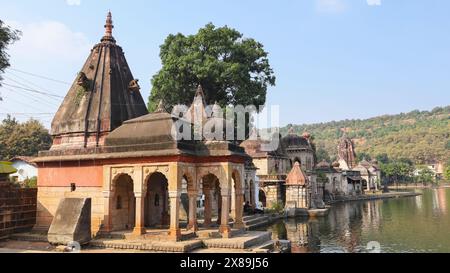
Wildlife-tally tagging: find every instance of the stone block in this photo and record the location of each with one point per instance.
(72, 222)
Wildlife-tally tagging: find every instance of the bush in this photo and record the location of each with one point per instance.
(31, 182)
(277, 207)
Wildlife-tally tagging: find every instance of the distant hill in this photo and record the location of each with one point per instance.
(418, 135)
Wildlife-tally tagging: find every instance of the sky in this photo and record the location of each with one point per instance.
(333, 59)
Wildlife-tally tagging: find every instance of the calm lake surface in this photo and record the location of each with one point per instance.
(416, 224)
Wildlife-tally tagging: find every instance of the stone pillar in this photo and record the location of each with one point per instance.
(108, 208)
(239, 210)
(209, 197)
(192, 223)
(224, 222)
(233, 200)
(174, 230)
(139, 227)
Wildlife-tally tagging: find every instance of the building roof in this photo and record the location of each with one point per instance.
(297, 176)
(323, 165)
(259, 148)
(146, 136)
(294, 141)
(103, 96)
(26, 159)
(6, 168)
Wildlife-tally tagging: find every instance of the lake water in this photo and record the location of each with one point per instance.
(416, 224)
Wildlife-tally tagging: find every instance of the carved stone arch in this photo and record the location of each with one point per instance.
(116, 173)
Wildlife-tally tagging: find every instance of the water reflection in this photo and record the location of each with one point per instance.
(417, 224)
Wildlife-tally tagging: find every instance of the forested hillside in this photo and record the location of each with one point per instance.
(418, 135)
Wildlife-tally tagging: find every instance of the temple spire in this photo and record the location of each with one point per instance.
(108, 28)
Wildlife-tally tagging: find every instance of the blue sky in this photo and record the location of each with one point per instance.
(334, 59)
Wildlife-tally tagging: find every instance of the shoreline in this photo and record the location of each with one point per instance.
(389, 195)
(418, 187)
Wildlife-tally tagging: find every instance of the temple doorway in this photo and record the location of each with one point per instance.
(262, 198)
(157, 201)
(123, 210)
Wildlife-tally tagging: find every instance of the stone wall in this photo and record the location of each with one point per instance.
(17, 209)
(49, 198)
(273, 195)
(296, 197)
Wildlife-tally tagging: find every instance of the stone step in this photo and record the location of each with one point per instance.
(148, 246)
(154, 236)
(257, 225)
(266, 247)
(251, 217)
(30, 237)
(256, 220)
(245, 241)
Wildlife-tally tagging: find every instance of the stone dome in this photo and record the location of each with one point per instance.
(323, 165)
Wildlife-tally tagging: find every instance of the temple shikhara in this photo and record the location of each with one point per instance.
(141, 177)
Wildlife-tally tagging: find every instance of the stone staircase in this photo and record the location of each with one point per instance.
(253, 222)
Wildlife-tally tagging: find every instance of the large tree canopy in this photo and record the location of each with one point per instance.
(7, 36)
(231, 69)
(22, 139)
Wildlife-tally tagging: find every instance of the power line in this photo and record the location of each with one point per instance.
(38, 99)
(27, 114)
(39, 76)
(33, 85)
(34, 91)
(22, 102)
(22, 85)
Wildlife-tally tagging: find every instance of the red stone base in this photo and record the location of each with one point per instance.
(225, 230)
(175, 235)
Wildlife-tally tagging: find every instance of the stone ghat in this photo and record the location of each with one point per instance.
(250, 240)
(373, 197)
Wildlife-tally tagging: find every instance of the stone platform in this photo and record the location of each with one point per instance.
(313, 213)
(242, 240)
(147, 245)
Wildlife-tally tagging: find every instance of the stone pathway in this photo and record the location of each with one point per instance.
(250, 241)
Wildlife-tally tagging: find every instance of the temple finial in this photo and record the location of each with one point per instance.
(109, 24)
(108, 28)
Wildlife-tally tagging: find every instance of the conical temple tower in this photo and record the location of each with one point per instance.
(102, 97)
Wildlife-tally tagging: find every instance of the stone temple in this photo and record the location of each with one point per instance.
(107, 147)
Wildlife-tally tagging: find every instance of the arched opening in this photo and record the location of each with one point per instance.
(156, 201)
(262, 198)
(123, 213)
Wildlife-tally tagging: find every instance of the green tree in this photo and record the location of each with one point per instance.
(425, 176)
(30, 182)
(231, 69)
(382, 158)
(22, 139)
(362, 156)
(7, 37)
(398, 171)
(322, 154)
(447, 171)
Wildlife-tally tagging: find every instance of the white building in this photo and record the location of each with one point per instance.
(25, 168)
